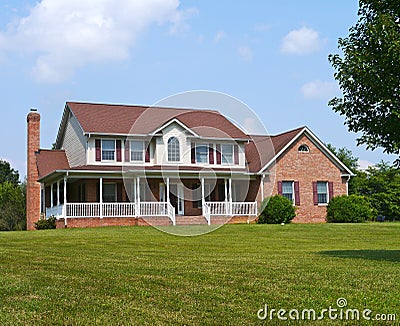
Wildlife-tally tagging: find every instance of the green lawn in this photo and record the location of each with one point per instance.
(139, 275)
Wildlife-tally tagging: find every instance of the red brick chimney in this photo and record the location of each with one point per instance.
(32, 186)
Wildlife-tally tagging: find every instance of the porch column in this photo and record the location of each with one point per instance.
(230, 196)
(138, 195)
(43, 185)
(51, 195)
(226, 189)
(202, 193)
(101, 197)
(65, 199)
(168, 201)
(262, 187)
(58, 193)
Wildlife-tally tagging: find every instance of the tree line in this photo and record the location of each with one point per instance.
(12, 199)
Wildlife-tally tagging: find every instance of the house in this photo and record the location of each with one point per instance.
(137, 165)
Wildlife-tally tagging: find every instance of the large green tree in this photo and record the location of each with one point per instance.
(369, 73)
(7, 173)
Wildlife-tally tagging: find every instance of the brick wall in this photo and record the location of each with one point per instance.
(32, 186)
(306, 168)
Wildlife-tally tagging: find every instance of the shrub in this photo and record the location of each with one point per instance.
(276, 209)
(349, 209)
(43, 224)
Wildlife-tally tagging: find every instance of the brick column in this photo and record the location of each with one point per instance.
(32, 186)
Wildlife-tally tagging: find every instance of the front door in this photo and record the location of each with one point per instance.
(176, 197)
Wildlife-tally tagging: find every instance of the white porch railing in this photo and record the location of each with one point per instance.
(79, 210)
(206, 213)
(83, 210)
(231, 208)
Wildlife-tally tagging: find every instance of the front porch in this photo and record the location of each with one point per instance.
(154, 200)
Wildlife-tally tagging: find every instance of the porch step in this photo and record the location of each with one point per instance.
(190, 220)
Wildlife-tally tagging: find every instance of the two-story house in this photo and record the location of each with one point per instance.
(133, 165)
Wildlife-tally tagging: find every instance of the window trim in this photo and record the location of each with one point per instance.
(293, 200)
(131, 151)
(115, 150)
(168, 150)
(223, 160)
(305, 146)
(206, 146)
(327, 193)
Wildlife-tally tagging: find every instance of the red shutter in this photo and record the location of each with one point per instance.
(218, 148)
(280, 188)
(236, 154)
(296, 193)
(210, 154)
(315, 192)
(330, 189)
(98, 150)
(118, 147)
(193, 153)
(127, 151)
(147, 154)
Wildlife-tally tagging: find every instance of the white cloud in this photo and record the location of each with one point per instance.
(302, 41)
(219, 36)
(67, 34)
(364, 164)
(245, 53)
(319, 89)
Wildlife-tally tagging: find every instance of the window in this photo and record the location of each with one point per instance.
(82, 192)
(322, 192)
(303, 149)
(287, 190)
(227, 154)
(202, 154)
(137, 151)
(109, 193)
(173, 150)
(108, 150)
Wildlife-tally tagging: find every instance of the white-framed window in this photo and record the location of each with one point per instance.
(109, 192)
(201, 154)
(322, 192)
(173, 150)
(303, 148)
(108, 150)
(288, 190)
(137, 150)
(227, 153)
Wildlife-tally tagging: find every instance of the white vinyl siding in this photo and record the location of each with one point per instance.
(74, 143)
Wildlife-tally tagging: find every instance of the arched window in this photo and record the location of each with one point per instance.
(303, 148)
(173, 150)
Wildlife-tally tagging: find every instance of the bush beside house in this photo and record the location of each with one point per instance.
(276, 209)
(349, 209)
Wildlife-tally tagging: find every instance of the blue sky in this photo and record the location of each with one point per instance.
(272, 55)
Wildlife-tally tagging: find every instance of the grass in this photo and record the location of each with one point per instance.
(141, 276)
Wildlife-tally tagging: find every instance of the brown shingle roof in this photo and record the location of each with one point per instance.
(48, 161)
(127, 119)
(263, 148)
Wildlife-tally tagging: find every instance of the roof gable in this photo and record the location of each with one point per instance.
(265, 150)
